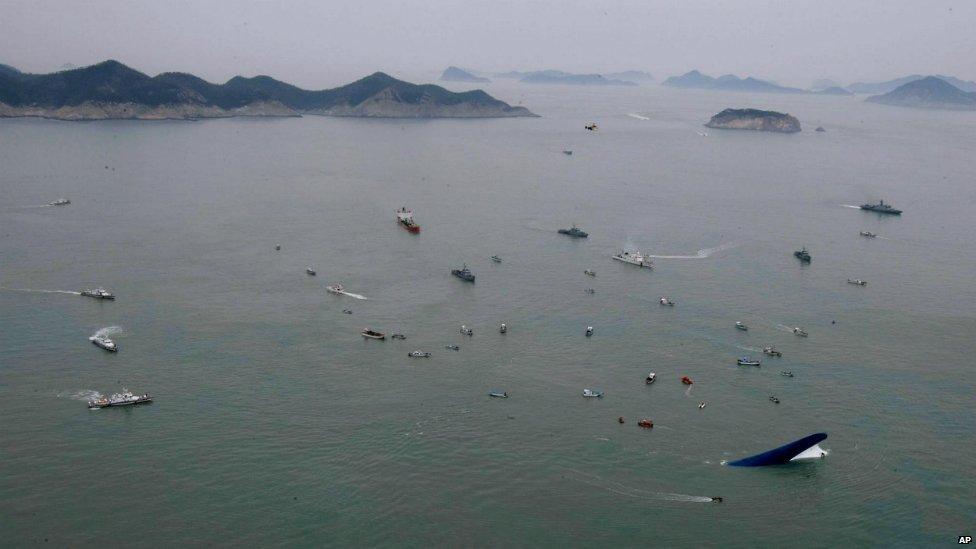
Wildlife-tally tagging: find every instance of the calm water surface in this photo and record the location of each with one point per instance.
(276, 423)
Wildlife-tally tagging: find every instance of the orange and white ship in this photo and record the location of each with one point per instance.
(405, 218)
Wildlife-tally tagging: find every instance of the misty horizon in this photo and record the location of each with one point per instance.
(316, 46)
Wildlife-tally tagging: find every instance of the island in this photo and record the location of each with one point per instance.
(928, 93)
(455, 74)
(754, 119)
(880, 88)
(728, 82)
(550, 76)
(111, 90)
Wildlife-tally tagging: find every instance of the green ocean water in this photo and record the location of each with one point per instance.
(275, 423)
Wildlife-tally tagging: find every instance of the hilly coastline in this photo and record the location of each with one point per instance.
(111, 90)
(728, 82)
(928, 93)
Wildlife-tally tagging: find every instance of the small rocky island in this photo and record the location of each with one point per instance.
(454, 74)
(754, 119)
(111, 90)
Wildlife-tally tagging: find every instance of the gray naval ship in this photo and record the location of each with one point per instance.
(464, 273)
(881, 207)
(574, 231)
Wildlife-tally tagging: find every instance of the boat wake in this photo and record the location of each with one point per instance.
(784, 327)
(84, 395)
(40, 291)
(851, 206)
(688, 392)
(637, 116)
(618, 488)
(109, 331)
(352, 295)
(702, 254)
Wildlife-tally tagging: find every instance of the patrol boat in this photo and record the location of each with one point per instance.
(881, 207)
(125, 398)
(104, 343)
(803, 255)
(574, 231)
(634, 258)
(464, 273)
(60, 202)
(98, 293)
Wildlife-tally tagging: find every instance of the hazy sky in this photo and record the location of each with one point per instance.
(319, 43)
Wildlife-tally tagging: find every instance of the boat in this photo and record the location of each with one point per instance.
(310, 271)
(881, 207)
(786, 373)
(60, 202)
(503, 328)
(869, 234)
(277, 247)
(667, 301)
(590, 291)
(701, 405)
(336, 288)
(634, 258)
(398, 336)
(686, 380)
(452, 347)
(498, 394)
(405, 219)
(466, 331)
(418, 354)
(98, 293)
(799, 331)
(125, 398)
(589, 331)
(651, 378)
(496, 259)
(774, 400)
(746, 361)
(803, 255)
(769, 351)
(645, 423)
(589, 272)
(372, 334)
(592, 126)
(857, 281)
(574, 231)
(346, 312)
(464, 273)
(591, 393)
(568, 152)
(741, 326)
(104, 343)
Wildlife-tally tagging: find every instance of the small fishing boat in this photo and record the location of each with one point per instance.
(588, 272)
(645, 423)
(803, 255)
(589, 331)
(568, 152)
(746, 361)
(868, 234)
(701, 405)
(496, 259)
(346, 312)
(310, 271)
(336, 288)
(686, 380)
(741, 326)
(466, 331)
(277, 247)
(667, 301)
(799, 331)
(574, 231)
(60, 202)
(786, 373)
(498, 394)
(592, 126)
(418, 354)
(651, 378)
(769, 351)
(503, 328)
(372, 334)
(774, 400)
(398, 336)
(857, 282)
(452, 347)
(590, 291)
(592, 393)
(104, 343)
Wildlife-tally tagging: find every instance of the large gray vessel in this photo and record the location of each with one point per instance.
(881, 207)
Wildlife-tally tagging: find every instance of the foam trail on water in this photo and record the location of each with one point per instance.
(40, 291)
(356, 296)
(637, 116)
(784, 327)
(617, 488)
(701, 254)
(109, 330)
(84, 395)
(851, 206)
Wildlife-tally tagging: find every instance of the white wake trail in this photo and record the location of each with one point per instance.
(84, 395)
(637, 116)
(108, 331)
(356, 296)
(701, 254)
(617, 488)
(32, 290)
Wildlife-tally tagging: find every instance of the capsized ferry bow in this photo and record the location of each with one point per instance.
(806, 448)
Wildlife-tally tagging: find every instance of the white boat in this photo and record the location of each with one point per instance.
(98, 293)
(589, 331)
(770, 351)
(667, 301)
(857, 282)
(746, 361)
(634, 258)
(741, 326)
(104, 343)
(503, 328)
(591, 393)
(651, 378)
(799, 331)
(60, 202)
(588, 272)
(418, 354)
(310, 271)
(336, 288)
(869, 234)
(466, 331)
(372, 334)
